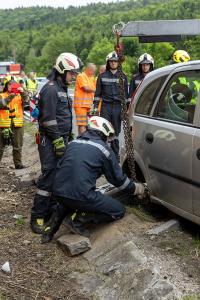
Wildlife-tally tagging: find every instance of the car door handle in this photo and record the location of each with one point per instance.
(198, 154)
(149, 138)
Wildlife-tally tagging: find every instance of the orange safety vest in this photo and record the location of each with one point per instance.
(82, 98)
(13, 112)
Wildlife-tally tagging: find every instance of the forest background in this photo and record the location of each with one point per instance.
(35, 36)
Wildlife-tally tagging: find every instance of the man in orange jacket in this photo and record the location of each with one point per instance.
(11, 121)
(83, 96)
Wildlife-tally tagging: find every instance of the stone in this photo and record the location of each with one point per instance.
(21, 172)
(6, 267)
(17, 216)
(120, 259)
(169, 225)
(26, 180)
(74, 244)
(26, 242)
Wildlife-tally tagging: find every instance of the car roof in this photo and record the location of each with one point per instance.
(162, 72)
(168, 69)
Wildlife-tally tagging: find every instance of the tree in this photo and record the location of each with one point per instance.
(99, 51)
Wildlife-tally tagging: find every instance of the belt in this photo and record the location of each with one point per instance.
(112, 103)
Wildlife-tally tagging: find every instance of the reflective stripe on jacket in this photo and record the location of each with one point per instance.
(14, 112)
(82, 98)
(55, 106)
(86, 159)
(107, 87)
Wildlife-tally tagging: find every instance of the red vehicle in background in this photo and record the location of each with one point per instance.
(9, 68)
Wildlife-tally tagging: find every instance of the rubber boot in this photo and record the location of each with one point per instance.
(51, 228)
(37, 225)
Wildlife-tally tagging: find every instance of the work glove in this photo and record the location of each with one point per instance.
(10, 98)
(35, 113)
(93, 112)
(141, 190)
(7, 133)
(71, 137)
(5, 101)
(59, 147)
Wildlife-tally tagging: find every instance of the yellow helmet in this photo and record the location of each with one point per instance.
(180, 56)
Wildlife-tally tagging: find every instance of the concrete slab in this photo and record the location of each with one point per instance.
(169, 225)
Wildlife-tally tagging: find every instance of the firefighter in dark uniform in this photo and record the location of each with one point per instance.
(107, 89)
(55, 126)
(75, 190)
(145, 65)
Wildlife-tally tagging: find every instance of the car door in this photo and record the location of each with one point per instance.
(167, 142)
(196, 167)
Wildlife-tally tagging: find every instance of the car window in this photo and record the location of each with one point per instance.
(179, 99)
(147, 98)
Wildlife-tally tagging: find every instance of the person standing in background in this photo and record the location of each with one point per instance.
(83, 96)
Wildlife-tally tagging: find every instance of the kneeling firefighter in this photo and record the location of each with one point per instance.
(77, 192)
(55, 127)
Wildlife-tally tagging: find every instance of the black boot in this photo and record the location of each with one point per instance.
(51, 227)
(37, 224)
(76, 227)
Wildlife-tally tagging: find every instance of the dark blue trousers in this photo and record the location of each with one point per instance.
(104, 208)
(43, 201)
(111, 111)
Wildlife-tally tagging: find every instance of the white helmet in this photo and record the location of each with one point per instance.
(146, 59)
(68, 62)
(112, 56)
(102, 125)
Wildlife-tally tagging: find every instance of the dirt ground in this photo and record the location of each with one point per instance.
(45, 271)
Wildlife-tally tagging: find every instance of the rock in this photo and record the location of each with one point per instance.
(138, 283)
(159, 290)
(74, 244)
(26, 242)
(27, 180)
(21, 172)
(17, 216)
(120, 259)
(169, 225)
(6, 267)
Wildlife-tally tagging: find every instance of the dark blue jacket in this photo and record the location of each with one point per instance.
(86, 159)
(107, 88)
(135, 81)
(55, 118)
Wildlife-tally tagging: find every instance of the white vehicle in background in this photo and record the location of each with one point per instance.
(41, 82)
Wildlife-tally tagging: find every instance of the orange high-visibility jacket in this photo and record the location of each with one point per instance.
(12, 113)
(82, 98)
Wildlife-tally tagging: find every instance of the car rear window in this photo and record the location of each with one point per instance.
(147, 98)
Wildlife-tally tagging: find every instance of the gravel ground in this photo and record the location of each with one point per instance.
(45, 272)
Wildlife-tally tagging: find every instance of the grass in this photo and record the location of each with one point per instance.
(197, 297)
(196, 246)
(30, 128)
(140, 213)
(20, 221)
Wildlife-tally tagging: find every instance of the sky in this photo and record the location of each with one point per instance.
(53, 3)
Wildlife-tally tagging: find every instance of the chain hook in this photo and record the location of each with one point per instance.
(117, 28)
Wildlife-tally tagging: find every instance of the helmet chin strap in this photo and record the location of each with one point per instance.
(63, 78)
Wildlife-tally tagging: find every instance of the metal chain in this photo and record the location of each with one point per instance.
(126, 126)
(128, 133)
